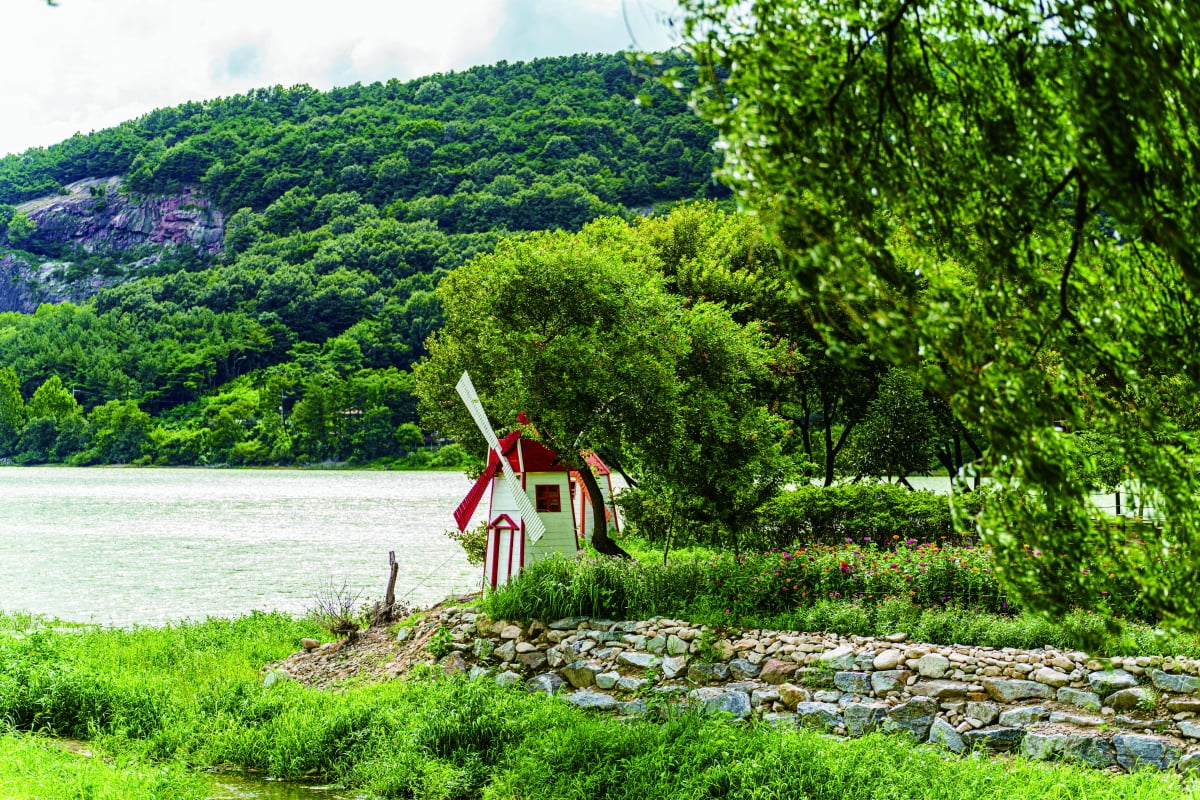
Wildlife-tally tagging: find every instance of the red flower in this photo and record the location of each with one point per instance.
(844, 567)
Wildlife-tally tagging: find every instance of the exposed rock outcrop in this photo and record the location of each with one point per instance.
(96, 216)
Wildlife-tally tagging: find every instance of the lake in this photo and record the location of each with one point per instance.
(127, 546)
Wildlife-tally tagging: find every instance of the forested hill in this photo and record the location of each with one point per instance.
(338, 212)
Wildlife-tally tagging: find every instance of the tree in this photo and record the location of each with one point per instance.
(12, 410)
(1005, 198)
(53, 401)
(579, 332)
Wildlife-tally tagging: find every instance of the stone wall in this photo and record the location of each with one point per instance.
(1125, 712)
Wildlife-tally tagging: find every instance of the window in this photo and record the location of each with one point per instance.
(547, 497)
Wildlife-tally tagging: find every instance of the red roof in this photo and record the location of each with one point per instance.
(538, 457)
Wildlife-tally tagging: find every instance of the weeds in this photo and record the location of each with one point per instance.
(337, 610)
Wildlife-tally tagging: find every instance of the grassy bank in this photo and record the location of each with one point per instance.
(37, 768)
(192, 695)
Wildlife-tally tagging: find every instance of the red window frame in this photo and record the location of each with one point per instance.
(549, 497)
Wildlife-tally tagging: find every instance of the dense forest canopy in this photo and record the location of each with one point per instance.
(343, 210)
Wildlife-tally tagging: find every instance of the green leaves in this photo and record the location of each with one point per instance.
(1006, 199)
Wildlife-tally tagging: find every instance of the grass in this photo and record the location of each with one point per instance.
(705, 589)
(158, 699)
(32, 767)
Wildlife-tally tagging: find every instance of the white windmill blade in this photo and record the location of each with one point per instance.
(534, 526)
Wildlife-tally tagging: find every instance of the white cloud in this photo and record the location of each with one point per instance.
(90, 64)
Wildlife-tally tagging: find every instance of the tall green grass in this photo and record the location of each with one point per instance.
(193, 695)
(33, 767)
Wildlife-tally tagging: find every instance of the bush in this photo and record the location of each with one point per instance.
(879, 514)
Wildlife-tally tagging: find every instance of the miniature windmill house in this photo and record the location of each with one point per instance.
(532, 507)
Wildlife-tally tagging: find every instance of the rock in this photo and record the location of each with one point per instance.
(1180, 684)
(312, 644)
(1179, 705)
(715, 700)
(626, 684)
(792, 695)
(742, 670)
(1142, 724)
(586, 698)
(890, 681)
(1051, 677)
(506, 652)
(838, 658)
(1082, 720)
(1105, 682)
(1135, 750)
(896, 638)
(1190, 730)
(1189, 763)
(632, 658)
(853, 682)
(510, 632)
(1026, 715)
(942, 691)
(581, 674)
(984, 712)
(277, 675)
(775, 671)
(455, 664)
(482, 649)
(1091, 750)
(478, 672)
(673, 666)
(827, 695)
(995, 739)
(818, 715)
(403, 634)
(508, 678)
(701, 674)
(933, 665)
(943, 733)
(1077, 697)
(1010, 691)
(763, 697)
(676, 646)
(656, 645)
(888, 659)
(634, 708)
(1130, 699)
(547, 683)
(607, 680)
(534, 660)
(916, 717)
(862, 718)
(568, 623)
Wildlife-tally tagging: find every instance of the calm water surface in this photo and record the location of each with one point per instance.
(123, 546)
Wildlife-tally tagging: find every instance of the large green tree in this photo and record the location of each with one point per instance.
(1003, 196)
(580, 332)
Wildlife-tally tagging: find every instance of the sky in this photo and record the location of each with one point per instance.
(85, 65)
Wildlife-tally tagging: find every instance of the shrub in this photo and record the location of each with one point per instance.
(879, 514)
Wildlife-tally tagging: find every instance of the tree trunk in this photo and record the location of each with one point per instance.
(600, 539)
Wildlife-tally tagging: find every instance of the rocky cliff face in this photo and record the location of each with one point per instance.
(95, 216)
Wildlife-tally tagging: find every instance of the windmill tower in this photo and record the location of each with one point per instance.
(530, 514)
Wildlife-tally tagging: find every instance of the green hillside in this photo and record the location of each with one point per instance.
(342, 211)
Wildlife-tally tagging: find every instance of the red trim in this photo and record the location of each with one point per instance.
(522, 563)
(495, 534)
(598, 466)
(511, 542)
(462, 514)
(503, 522)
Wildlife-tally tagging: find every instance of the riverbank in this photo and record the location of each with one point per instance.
(1126, 712)
(212, 694)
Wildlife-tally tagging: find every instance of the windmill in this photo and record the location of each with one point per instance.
(530, 515)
